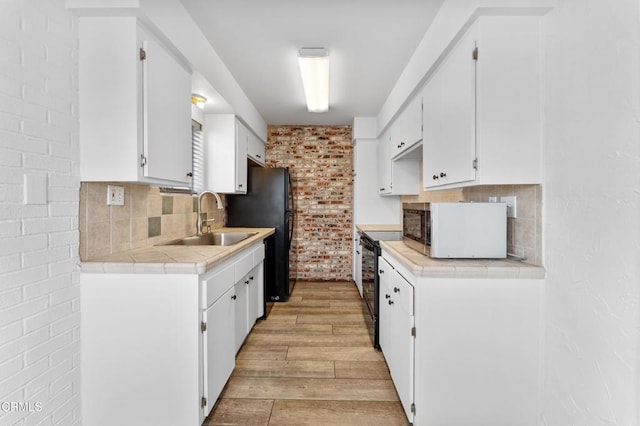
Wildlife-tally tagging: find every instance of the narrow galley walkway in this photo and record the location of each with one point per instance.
(311, 362)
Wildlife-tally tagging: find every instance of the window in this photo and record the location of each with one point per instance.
(197, 164)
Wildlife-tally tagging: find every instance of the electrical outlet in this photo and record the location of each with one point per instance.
(512, 210)
(115, 195)
(493, 199)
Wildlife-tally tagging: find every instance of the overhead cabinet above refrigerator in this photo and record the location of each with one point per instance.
(228, 143)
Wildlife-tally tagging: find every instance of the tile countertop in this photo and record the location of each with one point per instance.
(370, 228)
(424, 266)
(172, 259)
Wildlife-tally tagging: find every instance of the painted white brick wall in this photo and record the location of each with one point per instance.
(39, 278)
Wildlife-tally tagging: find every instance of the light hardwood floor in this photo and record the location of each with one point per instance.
(311, 362)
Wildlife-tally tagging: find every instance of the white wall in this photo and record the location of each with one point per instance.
(369, 207)
(39, 293)
(591, 199)
(592, 213)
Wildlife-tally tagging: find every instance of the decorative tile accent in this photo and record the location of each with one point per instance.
(167, 205)
(155, 226)
(106, 230)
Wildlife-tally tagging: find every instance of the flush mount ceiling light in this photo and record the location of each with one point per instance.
(314, 69)
(198, 100)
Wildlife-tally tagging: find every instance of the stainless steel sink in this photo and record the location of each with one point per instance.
(213, 239)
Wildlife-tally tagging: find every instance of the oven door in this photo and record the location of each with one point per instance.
(370, 284)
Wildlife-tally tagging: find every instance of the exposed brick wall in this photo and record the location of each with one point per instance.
(39, 275)
(321, 165)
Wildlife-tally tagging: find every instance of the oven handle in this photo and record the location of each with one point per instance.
(367, 244)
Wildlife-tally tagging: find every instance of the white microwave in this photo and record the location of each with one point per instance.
(461, 230)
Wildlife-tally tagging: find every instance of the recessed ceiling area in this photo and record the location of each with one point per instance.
(369, 41)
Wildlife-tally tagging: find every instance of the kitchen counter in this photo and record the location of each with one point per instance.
(424, 266)
(173, 259)
(373, 228)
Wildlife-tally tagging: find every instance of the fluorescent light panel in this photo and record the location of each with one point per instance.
(314, 69)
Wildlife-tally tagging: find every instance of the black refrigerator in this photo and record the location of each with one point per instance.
(268, 203)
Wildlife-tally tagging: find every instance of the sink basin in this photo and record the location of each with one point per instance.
(213, 239)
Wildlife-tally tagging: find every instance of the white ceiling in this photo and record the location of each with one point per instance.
(370, 42)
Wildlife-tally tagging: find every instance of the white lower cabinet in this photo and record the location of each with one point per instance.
(241, 299)
(396, 334)
(164, 340)
(357, 262)
(241, 278)
(476, 354)
(219, 344)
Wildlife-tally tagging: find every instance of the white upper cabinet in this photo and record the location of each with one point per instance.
(255, 149)
(449, 118)
(406, 130)
(396, 177)
(482, 119)
(384, 164)
(225, 153)
(134, 105)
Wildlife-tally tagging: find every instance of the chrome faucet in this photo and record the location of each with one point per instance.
(199, 219)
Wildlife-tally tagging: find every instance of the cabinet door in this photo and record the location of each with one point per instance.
(219, 344)
(449, 118)
(407, 129)
(385, 271)
(255, 149)
(166, 103)
(242, 135)
(401, 345)
(358, 266)
(241, 290)
(254, 310)
(384, 165)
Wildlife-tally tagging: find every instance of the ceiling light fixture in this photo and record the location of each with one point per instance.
(314, 69)
(198, 100)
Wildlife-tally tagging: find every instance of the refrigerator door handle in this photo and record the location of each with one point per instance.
(290, 217)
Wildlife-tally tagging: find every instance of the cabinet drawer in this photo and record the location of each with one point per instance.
(402, 292)
(243, 266)
(217, 285)
(258, 254)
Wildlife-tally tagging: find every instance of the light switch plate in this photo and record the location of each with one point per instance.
(115, 195)
(512, 206)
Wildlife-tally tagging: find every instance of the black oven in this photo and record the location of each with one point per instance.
(369, 242)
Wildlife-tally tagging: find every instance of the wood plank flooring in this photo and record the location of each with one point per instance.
(311, 362)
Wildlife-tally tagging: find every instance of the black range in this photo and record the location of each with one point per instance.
(370, 249)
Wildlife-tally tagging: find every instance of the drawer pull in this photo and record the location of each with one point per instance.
(387, 296)
(390, 302)
(396, 290)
